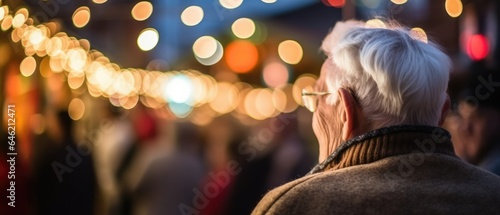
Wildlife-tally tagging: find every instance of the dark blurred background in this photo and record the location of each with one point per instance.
(194, 106)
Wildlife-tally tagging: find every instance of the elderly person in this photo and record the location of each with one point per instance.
(377, 106)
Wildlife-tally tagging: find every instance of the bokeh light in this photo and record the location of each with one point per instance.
(24, 12)
(205, 47)
(275, 74)
(148, 39)
(250, 104)
(226, 98)
(244, 89)
(302, 81)
(279, 99)
(84, 44)
(20, 18)
(283, 99)
(334, 3)
(56, 62)
(478, 47)
(192, 15)
(3, 11)
(81, 17)
(36, 37)
(200, 88)
(27, 66)
(179, 89)
(6, 22)
(75, 81)
(76, 109)
(180, 110)
(419, 34)
(202, 116)
(230, 4)
(243, 28)
(375, 23)
(99, 1)
(45, 70)
(290, 51)
(454, 7)
(214, 58)
(123, 85)
(269, 1)
(76, 60)
(264, 103)
(399, 1)
(241, 56)
(142, 10)
(129, 102)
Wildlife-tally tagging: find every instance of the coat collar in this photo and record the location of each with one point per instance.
(385, 142)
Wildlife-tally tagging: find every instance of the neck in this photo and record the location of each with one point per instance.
(388, 141)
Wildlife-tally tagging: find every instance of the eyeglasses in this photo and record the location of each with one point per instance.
(310, 98)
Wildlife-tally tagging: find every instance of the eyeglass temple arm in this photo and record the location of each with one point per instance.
(314, 93)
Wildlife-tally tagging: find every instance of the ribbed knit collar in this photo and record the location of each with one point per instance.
(385, 142)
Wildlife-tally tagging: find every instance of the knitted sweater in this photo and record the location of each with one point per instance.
(394, 170)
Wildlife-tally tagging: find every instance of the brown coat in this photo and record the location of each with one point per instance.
(395, 170)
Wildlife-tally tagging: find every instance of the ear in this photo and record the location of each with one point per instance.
(348, 113)
(444, 110)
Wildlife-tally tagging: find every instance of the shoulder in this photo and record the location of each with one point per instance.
(393, 182)
(276, 196)
(304, 195)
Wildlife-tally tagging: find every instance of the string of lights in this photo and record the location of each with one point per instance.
(186, 94)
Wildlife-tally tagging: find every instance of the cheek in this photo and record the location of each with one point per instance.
(324, 122)
(315, 126)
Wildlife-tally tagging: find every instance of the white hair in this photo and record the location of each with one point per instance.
(398, 79)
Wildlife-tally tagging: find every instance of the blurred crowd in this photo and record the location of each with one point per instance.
(474, 121)
(132, 162)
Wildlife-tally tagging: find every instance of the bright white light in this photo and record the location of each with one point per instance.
(2, 12)
(179, 89)
(205, 47)
(18, 20)
(77, 59)
(230, 4)
(269, 1)
(148, 39)
(216, 57)
(192, 15)
(36, 37)
(243, 28)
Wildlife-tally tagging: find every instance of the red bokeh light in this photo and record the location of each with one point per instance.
(334, 3)
(477, 47)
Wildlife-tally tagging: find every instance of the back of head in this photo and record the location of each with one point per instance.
(397, 78)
